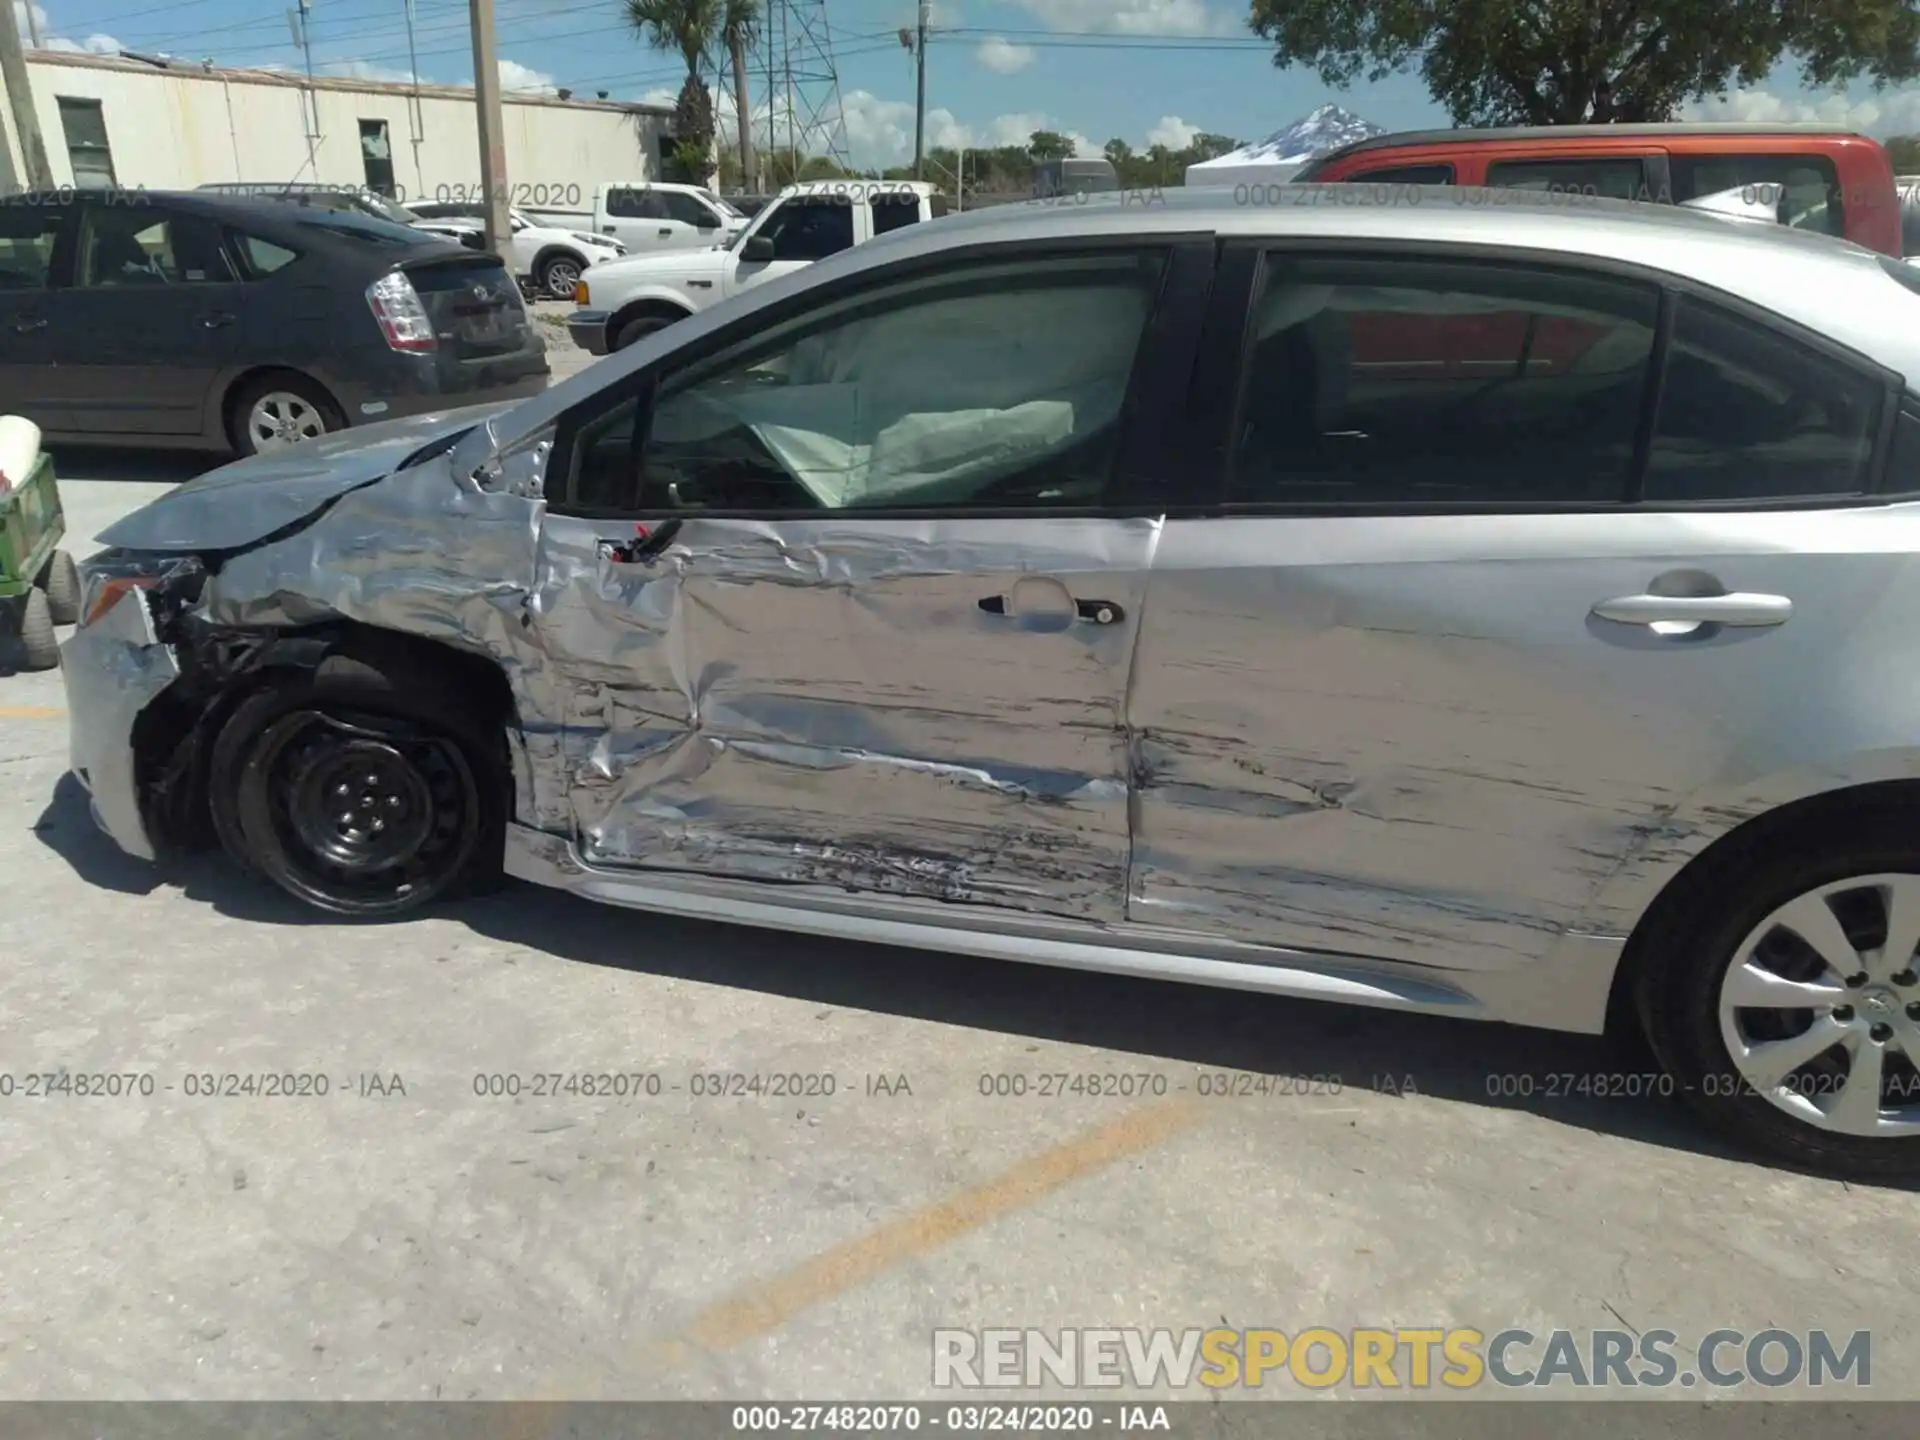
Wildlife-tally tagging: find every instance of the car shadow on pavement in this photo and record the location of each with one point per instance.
(1595, 1083)
(152, 467)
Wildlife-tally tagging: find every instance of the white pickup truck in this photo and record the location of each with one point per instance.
(622, 300)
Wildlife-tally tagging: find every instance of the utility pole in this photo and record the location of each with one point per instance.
(33, 25)
(26, 121)
(301, 21)
(742, 115)
(920, 95)
(493, 135)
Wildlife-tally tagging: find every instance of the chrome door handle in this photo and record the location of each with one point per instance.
(30, 322)
(1097, 612)
(216, 320)
(1734, 609)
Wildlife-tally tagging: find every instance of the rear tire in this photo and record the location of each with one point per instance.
(61, 581)
(39, 646)
(362, 789)
(1737, 935)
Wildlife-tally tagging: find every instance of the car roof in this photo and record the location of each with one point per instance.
(1506, 134)
(1831, 286)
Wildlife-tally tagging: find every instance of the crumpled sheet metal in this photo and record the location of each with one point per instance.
(763, 704)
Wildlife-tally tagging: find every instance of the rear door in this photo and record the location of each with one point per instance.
(889, 650)
(35, 248)
(1431, 672)
(150, 322)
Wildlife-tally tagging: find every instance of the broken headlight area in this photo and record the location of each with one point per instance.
(167, 583)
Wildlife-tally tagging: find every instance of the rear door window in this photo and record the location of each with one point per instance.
(625, 203)
(1804, 190)
(262, 257)
(1608, 177)
(894, 212)
(1415, 381)
(1748, 413)
(143, 245)
(1405, 175)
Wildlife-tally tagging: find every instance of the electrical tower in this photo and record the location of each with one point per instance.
(792, 65)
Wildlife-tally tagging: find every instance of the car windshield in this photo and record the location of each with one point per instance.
(720, 204)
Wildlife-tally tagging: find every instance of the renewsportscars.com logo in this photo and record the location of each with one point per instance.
(1393, 1359)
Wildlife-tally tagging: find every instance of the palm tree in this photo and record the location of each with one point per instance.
(688, 26)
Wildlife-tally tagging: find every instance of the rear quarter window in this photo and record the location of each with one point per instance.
(1806, 188)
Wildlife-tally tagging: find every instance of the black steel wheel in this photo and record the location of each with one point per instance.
(360, 815)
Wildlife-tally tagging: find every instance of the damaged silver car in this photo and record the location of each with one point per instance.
(1447, 601)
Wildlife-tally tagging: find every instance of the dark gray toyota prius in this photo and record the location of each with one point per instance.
(135, 317)
(1468, 603)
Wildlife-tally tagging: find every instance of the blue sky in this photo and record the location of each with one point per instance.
(1143, 70)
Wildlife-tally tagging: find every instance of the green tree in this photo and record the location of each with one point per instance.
(688, 27)
(1047, 145)
(1905, 150)
(1560, 62)
(1207, 147)
(1119, 154)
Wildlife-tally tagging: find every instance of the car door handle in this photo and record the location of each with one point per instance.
(606, 229)
(666, 230)
(30, 322)
(1097, 612)
(1732, 609)
(216, 319)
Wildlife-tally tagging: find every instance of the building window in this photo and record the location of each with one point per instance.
(87, 149)
(376, 155)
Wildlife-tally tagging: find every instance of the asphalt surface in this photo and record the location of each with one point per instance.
(404, 1236)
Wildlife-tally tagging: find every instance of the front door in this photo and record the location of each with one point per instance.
(803, 230)
(1432, 681)
(852, 600)
(35, 237)
(151, 320)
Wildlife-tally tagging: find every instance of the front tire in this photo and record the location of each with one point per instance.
(1783, 996)
(278, 411)
(559, 274)
(360, 794)
(39, 646)
(639, 328)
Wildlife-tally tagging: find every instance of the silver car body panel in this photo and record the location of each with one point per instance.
(1390, 759)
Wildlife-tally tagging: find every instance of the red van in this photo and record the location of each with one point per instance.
(1817, 177)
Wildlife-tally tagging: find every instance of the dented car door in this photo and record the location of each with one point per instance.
(849, 597)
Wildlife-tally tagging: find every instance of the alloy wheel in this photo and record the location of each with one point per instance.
(1820, 1007)
(280, 418)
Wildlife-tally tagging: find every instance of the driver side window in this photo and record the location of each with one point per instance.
(995, 387)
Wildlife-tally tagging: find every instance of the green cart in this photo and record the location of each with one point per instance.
(39, 585)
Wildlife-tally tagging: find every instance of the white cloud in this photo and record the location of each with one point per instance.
(1004, 57)
(524, 79)
(667, 95)
(1135, 17)
(95, 44)
(1172, 132)
(1894, 112)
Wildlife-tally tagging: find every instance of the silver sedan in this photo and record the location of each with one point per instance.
(1443, 600)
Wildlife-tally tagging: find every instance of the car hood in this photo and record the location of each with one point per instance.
(235, 505)
(665, 269)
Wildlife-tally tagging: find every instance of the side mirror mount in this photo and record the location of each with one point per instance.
(757, 249)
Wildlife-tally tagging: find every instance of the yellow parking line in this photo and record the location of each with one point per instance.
(765, 1308)
(759, 1310)
(29, 712)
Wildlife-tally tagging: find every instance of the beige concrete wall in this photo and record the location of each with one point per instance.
(176, 130)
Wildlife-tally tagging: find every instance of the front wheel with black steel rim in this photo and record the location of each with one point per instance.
(357, 811)
(1789, 1011)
